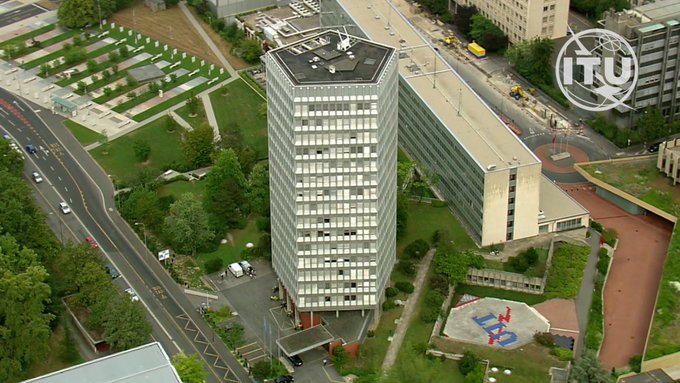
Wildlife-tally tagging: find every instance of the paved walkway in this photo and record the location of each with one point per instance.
(210, 113)
(585, 294)
(206, 38)
(409, 311)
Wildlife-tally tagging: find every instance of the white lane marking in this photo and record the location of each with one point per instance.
(12, 122)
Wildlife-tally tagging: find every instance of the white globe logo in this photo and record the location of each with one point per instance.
(599, 73)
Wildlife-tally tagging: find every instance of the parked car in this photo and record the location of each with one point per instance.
(654, 147)
(31, 149)
(132, 294)
(296, 360)
(6, 136)
(63, 206)
(37, 177)
(92, 242)
(112, 271)
(284, 379)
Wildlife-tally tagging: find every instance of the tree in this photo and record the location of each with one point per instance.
(258, 189)
(225, 188)
(462, 18)
(24, 324)
(80, 271)
(595, 8)
(455, 265)
(193, 103)
(189, 368)
(468, 362)
(247, 158)
(143, 178)
(652, 125)
(81, 13)
(123, 321)
(251, 50)
(91, 65)
(143, 205)
(402, 214)
(588, 369)
(340, 357)
(124, 51)
(187, 224)
(10, 160)
(532, 60)
(232, 137)
(45, 69)
(198, 146)
(142, 149)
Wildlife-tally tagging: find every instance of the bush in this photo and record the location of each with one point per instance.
(390, 292)
(432, 308)
(417, 249)
(340, 357)
(610, 236)
(603, 263)
(405, 287)
(476, 375)
(406, 267)
(213, 265)
(388, 305)
(263, 224)
(635, 363)
(544, 339)
(530, 255)
(370, 333)
(438, 282)
(518, 264)
(468, 362)
(562, 353)
(597, 226)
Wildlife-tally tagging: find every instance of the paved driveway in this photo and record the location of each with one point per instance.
(633, 281)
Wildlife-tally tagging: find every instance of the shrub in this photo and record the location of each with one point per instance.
(263, 224)
(388, 305)
(213, 265)
(635, 363)
(610, 236)
(439, 283)
(433, 303)
(340, 357)
(562, 353)
(390, 292)
(544, 339)
(530, 255)
(405, 287)
(417, 249)
(468, 362)
(518, 264)
(406, 267)
(370, 333)
(603, 263)
(476, 375)
(596, 225)
(142, 149)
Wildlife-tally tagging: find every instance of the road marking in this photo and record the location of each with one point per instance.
(59, 177)
(12, 122)
(51, 167)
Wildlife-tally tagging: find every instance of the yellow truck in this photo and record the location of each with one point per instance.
(476, 50)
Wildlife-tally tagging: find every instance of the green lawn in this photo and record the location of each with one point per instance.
(482, 292)
(568, 263)
(118, 158)
(84, 135)
(177, 188)
(27, 36)
(372, 352)
(231, 251)
(238, 103)
(195, 121)
(424, 220)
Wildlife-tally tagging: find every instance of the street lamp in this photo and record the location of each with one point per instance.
(143, 230)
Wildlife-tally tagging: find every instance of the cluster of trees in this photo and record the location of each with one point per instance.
(249, 50)
(523, 261)
(595, 8)
(487, 34)
(470, 365)
(650, 127)
(451, 263)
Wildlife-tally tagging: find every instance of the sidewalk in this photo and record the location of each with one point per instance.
(212, 121)
(585, 293)
(408, 313)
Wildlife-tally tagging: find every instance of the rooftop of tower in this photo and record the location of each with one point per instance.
(332, 57)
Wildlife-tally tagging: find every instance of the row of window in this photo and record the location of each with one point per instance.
(335, 107)
(324, 275)
(342, 260)
(341, 221)
(336, 233)
(355, 179)
(333, 138)
(337, 207)
(330, 124)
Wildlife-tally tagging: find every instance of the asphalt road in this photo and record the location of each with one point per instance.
(71, 175)
(20, 13)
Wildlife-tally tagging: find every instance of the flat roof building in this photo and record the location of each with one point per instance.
(653, 31)
(523, 19)
(332, 122)
(492, 181)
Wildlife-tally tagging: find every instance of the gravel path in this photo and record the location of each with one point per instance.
(409, 311)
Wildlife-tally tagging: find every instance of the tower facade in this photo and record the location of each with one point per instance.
(332, 121)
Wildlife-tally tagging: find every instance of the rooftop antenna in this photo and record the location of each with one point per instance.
(343, 44)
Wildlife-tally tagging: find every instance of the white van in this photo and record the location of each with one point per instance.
(236, 269)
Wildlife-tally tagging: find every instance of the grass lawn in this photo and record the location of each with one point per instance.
(238, 103)
(118, 158)
(529, 364)
(177, 188)
(84, 135)
(482, 292)
(424, 220)
(195, 121)
(27, 36)
(372, 352)
(568, 263)
(230, 252)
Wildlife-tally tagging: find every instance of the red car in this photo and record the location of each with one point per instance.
(92, 242)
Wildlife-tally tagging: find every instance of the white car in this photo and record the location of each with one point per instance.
(132, 294)
(63, 206)
(37, 177)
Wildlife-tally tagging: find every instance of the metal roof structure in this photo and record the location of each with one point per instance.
(147, 363)
(660, 9)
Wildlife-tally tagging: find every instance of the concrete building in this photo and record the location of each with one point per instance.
(523, 19)
(147, 363)
(332, 120)
(653, 30)
(492, 181)
(228, 9)
(668, 159)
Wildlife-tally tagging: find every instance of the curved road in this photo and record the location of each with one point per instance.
(69, 170)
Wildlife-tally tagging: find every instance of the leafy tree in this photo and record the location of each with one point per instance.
(258, 189)
(74, 55)
(142, 149)
(81, 13)
(532, 60)
(82, 87)
(595, 8)
(45, 69)
(193, 104)
(225, 187)
(123, 321)
(247, 158)
(114, 56)
(10, 160)
(189, 368)
(107, 91)
(91, 66)
(468, 362)
(476, 375)
(24, 324)
(455, 265)
(187, 224)
(417, 249)
(652, 125)
(232, 33)
(171, 3)
(588, 369)
(144, 178)
(267, 369)
(462, 19)
(423, 182)
(130, 81)
(124, 51)
(198, 146)
(340, 357)
(143, 205)
(402, 214)
(487, 33)
(251, 50)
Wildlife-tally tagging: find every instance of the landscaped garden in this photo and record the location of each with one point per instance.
(98, 64)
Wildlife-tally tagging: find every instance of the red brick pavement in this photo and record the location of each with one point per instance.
(566, 165)
(634, 276)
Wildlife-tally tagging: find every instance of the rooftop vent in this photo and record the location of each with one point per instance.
(491, 167)
(314, 66)
(351, 57)
(331, 68)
